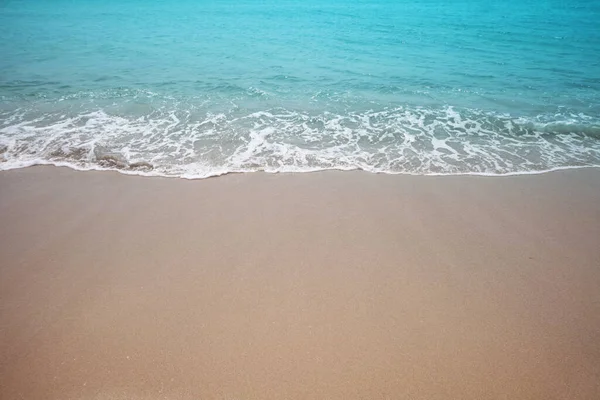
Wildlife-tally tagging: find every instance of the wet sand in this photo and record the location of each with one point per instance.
(333, 285)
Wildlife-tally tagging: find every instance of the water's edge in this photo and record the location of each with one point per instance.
(228, 173)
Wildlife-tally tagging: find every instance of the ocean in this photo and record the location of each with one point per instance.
(202, 88)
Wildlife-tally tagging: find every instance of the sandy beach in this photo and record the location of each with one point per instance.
(330, 285)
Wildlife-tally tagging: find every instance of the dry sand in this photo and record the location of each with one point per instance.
(334, 285)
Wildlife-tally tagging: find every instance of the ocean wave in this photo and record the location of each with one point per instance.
(191, 142)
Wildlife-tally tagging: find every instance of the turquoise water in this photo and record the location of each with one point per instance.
(201, 88)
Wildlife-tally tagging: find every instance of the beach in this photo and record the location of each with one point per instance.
(327, 285)
(341, 200)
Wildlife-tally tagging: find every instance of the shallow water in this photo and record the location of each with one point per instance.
(201, 88)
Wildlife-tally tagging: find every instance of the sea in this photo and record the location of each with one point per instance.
(201, 88)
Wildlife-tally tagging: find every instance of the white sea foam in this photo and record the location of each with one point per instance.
(188, 143)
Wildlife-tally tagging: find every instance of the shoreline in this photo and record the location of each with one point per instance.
(340, 285)
(146, 174)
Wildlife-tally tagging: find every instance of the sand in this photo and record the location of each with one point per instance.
(332, 285)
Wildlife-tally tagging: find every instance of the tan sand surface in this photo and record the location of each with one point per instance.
(333, 285)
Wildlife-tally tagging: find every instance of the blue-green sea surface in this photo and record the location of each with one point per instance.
(198, 88)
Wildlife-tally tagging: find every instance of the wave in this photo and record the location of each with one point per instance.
(174, 140)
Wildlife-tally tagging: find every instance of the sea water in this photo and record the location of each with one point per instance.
(198, 88)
